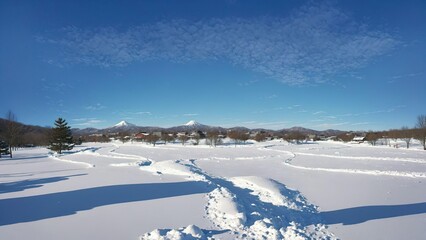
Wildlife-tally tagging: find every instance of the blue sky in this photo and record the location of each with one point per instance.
(350, 65)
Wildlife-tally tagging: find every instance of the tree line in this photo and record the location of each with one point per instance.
(14, 134)
(405, 134)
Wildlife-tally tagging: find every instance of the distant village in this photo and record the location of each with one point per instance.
(194, 133)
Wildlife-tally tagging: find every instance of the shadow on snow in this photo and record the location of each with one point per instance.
(358, 215)
(33, 208)
(31, 183)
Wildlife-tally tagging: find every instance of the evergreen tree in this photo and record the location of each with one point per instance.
(61, 138)
(4, 148)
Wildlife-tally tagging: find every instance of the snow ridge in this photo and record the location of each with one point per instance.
(251, 207)
(189, 233)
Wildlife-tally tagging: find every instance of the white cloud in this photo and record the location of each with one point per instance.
(293, 107)
(143, 113)
(257, 124)
(272, 96)
(248, 83)
(360, 123)
(318, 112)
(190, 114)
(95, 107)
(308, 46)
(389, 110)
(86, 122)
(331, 125)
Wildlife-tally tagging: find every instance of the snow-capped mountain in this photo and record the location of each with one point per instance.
(193, 123)
(193, 126)
(124, 124)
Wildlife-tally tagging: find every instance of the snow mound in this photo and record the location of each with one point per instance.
(58, 157)
(251, 207)
(132, 164)
(261, 208)
(191, 232)
(175, 167)
(223, 210)
(271, 191)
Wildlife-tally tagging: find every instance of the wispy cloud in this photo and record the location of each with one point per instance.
(405, 77)
(360, 123)
(410, 75)
(143, 113)
(248, 83)
(261, 124)
(318, 112)
(388, 110)
(331, 125)
(293, 107)
(190, 114)
(95, 107)
(272, 96)
(308, 46)
(86, 122)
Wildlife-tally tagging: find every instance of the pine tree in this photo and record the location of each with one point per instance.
(61, 138)
(4, 148)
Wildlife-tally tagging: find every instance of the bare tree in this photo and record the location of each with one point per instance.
(213, 137)
(406, 135)
(152, 138)
(260, 137)
(183, 139)
(124, 137)
(385, 136)
(235, 136)
(420, 132)
(12, 131)
(346, 137)
(197, 138)
(244, 137)
(296, 136)
(167, 137)
(372, 138)
(394, 134)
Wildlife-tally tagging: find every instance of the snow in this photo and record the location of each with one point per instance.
(123, 124)
(189, 233)
(192, 123)
(272, 190)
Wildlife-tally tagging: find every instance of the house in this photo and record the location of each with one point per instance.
(197, 134)
(179, 134)
(140, 136)
(158, 134)
(358, 139)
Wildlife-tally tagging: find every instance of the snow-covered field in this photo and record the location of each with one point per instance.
(272, 190)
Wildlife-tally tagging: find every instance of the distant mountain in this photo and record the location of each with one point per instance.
(193, 123)
(194, 126)
(84, 131)
(332, 132)
(301, 130)
(307, 131)
(39, 135)
(241, 129)
(124, 124)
